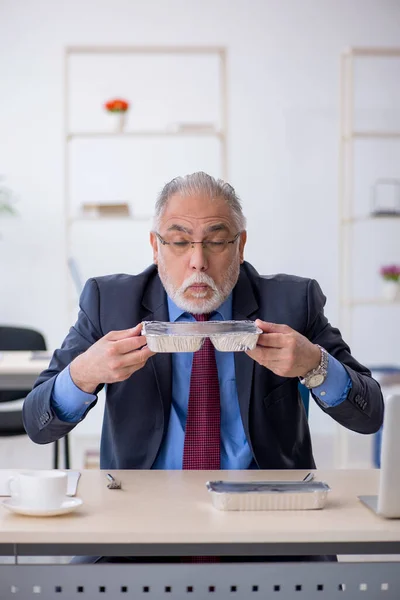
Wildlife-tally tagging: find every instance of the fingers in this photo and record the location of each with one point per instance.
(127, 345)
(146, 353)
(137, 358)
(272, 340)
(122, 367)
(114, 336)
(272, 327)
(257, 355)
(130, 359)
(265, 356)
(130, 363)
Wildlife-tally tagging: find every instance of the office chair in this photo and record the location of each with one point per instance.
(17, 339)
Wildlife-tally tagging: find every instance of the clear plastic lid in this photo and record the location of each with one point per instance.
(199, 328)
(266, 487)
(226, 336)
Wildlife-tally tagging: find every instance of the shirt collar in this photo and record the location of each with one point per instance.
(225, 310)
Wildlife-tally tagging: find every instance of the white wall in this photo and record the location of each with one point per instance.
(283, 77)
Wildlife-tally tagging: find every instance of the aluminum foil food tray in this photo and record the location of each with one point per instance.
(227, 336)
(263, 495)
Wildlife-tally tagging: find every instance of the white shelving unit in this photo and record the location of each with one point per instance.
(358, 108)
(142, 134)
(177, 123)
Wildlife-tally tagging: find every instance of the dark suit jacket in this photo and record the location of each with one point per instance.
(137, 410)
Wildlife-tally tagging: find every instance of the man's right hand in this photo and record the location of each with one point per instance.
(111, 359)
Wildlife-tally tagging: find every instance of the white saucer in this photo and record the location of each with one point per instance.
(68, 505)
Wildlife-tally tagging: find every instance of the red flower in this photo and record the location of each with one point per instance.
(117, 105)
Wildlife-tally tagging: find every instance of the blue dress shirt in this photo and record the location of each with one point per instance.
(70, 403)
(235, 451)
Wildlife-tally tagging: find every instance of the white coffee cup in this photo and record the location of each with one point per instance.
(39, 489)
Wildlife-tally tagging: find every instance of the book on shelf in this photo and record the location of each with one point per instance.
(192, 127)
(103, 209)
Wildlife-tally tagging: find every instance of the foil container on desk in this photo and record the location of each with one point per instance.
(268, 495)
(226, 336)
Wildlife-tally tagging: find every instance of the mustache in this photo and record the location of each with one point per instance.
(199, 278)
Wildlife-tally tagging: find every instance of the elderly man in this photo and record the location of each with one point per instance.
(206, 410)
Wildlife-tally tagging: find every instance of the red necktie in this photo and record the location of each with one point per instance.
(202, 445)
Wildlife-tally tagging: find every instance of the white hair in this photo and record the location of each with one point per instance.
(200, 183)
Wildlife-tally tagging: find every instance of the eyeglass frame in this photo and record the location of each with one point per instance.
(226, 242)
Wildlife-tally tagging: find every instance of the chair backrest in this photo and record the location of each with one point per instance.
(18, 338)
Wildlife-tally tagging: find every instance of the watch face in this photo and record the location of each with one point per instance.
(316, 380)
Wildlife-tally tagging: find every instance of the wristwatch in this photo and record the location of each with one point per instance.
(318, 375)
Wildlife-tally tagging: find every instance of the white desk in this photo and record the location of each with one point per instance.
(169, 513)
(19, 370)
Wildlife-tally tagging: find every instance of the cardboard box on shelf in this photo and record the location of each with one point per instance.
(95, 209)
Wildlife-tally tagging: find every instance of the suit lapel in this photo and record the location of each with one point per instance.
(155, 308)
(244, 307)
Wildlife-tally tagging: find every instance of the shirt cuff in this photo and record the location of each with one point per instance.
(334, 390)
(68, 401)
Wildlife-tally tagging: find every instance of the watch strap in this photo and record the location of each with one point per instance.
(322, 369)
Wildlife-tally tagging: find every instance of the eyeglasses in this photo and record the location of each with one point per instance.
(180, 247)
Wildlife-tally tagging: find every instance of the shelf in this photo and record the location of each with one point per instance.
(137, 218)
(362, 138)
(142, 134)
(145, 50)
(350, 220)
(370, 302)
(151, 139)
(371, 135)
(374, 51)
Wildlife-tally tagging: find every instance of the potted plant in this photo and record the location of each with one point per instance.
(119, 108)
(7, 200)
(391, 282)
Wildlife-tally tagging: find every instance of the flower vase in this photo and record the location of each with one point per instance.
(391, 290)
(120, 121)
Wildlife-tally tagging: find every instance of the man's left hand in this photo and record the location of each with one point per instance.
(284, 351)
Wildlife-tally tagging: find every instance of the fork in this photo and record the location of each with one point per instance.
(307, 479)
(114, 484)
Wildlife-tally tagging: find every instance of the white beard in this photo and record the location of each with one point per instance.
(201, 305)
